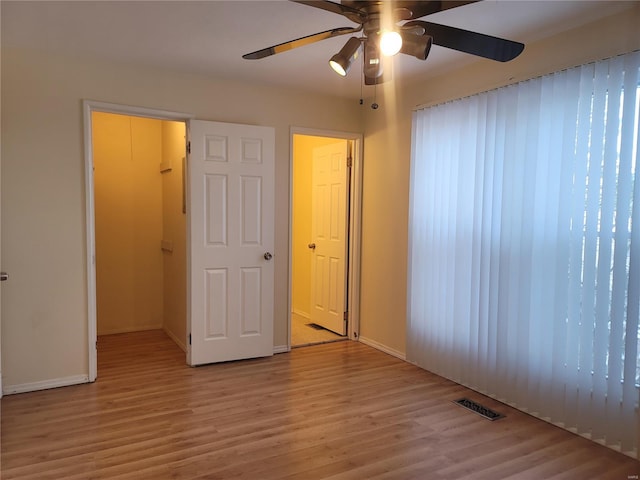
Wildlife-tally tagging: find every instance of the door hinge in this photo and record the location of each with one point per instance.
(345, 317)
(189, 147)
(349, 161)
(189, 339)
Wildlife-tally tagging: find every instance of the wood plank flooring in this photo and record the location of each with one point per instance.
(333, 411)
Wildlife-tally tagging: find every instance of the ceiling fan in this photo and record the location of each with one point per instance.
(383, 36)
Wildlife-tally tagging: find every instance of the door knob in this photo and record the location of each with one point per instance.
(268, 256)
(4, 276)
(312, 246)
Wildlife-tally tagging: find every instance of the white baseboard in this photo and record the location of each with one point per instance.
(301, 314)
(171, 335)
(383, 348)
(131, 329)
(45, 384)
(281, 349)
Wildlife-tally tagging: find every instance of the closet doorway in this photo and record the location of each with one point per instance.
(140, 224)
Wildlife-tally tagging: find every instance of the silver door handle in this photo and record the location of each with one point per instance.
(268, 256)
(312, 246)
(4, 276)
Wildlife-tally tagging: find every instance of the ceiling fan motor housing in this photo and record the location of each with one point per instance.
(372, 60)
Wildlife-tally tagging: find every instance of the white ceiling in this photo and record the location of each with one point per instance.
(210, 37)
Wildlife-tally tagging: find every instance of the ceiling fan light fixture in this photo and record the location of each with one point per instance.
(341, 61)
(417, 46)
(338, 67)
(390, 43)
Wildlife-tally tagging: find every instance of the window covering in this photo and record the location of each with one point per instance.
(524, 246)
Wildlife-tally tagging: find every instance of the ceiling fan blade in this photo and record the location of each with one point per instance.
(352, 14)
(422, 8)
(479, 44)
(300, 42)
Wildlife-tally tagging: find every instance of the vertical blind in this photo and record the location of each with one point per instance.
(524, 246)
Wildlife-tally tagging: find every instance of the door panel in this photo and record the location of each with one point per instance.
(329, 232)
(231, 200)
(216, 301)
(216, 214)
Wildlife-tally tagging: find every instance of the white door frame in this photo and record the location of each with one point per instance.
(355, 226)
(88, 107)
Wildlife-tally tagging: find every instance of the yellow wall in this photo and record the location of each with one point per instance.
(174, 230)
(303, 146)
(128, 222)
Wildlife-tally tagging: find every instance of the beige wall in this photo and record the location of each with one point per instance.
(44, 308)
(127, 152)
(303, 146)
(388, 150)
(174, 230)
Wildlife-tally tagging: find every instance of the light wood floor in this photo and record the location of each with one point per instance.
(338, 410)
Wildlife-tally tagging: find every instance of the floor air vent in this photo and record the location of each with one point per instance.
(479, 409)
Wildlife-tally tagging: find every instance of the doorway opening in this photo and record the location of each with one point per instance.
(136, 223)
(324, 246)
(140, 225)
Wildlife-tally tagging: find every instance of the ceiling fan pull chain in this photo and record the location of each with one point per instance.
(362, 79)
(375, 105)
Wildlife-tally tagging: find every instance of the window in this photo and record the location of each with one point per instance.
(524, 253)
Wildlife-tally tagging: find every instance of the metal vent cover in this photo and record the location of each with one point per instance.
(479, 409)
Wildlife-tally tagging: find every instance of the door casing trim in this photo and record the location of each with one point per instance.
(88, 107)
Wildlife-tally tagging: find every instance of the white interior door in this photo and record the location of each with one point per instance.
(231, 206)
(329, 232)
